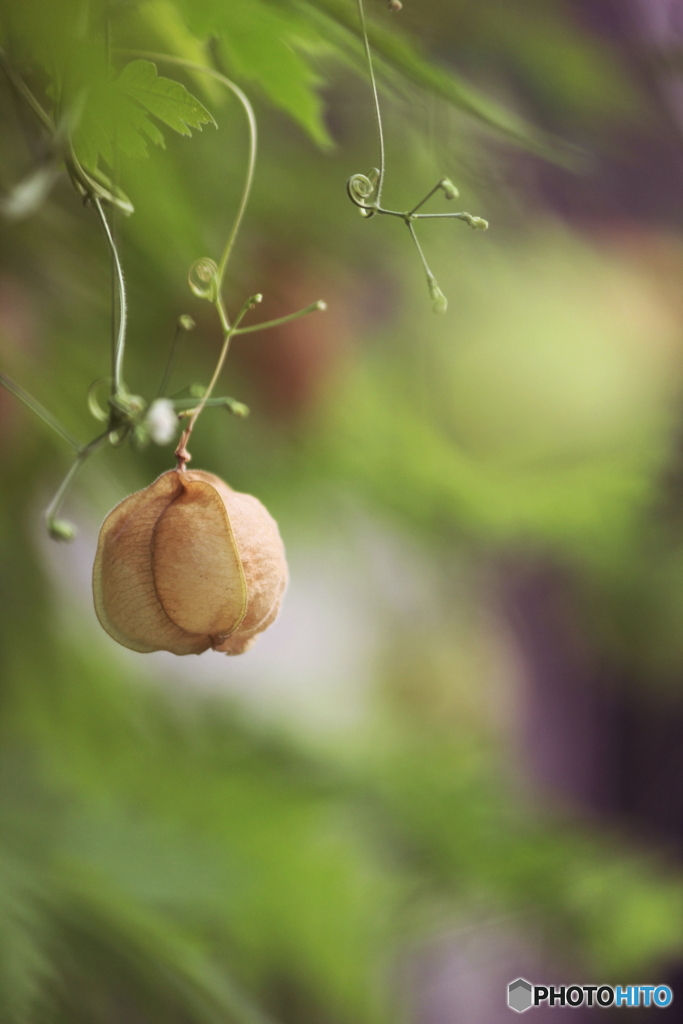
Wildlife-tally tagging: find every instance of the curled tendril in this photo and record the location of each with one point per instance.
(204, 279)
(94, 406)
(362, 187)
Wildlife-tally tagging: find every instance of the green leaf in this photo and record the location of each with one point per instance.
(261, 43)
(116, 111)
(169, 101)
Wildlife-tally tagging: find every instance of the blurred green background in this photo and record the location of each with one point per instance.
(457, 757)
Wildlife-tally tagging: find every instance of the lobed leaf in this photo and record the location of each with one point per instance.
(169, 101)
(261, 43)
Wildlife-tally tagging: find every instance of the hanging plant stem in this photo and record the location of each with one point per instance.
(365, 190)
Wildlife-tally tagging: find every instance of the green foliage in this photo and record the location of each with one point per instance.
(103, 111)
(169, 101)
(192, 863)
(275, 46)
(261, 43)
(116, 112)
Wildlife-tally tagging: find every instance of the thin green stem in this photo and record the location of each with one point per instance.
(84, 453)
(249, 304)
(223, 316)
(375, 97)
(253, 141)
(93, 183)
(186, 405)
(430, 276)
(440, 216)
(320, 305)
(171, 362)
(39, 410)
(181, 452)
(429, 195)
(119, 343)
(26, 94)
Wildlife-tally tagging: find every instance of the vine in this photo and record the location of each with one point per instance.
(127, 415)
(365, 190)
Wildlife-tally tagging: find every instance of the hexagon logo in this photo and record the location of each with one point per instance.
(519, 995)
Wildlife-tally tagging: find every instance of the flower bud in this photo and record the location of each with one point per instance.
(61, 529)
(478, 223)
(449, 188)
(187, 564)
(439, 300)
(162, 421)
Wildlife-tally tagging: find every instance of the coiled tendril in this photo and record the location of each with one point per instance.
(363, 187)
(204, 279)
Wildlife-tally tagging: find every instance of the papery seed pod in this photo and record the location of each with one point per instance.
(187, 564)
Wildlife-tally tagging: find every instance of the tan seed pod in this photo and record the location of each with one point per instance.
(187, 564)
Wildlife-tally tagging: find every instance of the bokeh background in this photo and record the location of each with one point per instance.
(457, 757)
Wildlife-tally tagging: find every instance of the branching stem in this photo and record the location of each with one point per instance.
(211, 274)
(181, 453)
(314, 306)
(55, 528)
(423, 201)
(365, 190)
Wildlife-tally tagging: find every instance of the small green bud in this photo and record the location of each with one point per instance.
(439, 300)
(61, 529)
(449, 188)
(478, 223)
(197, 390)
(186, 322)
(118, 436)
(237, 408)
(321, 305)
